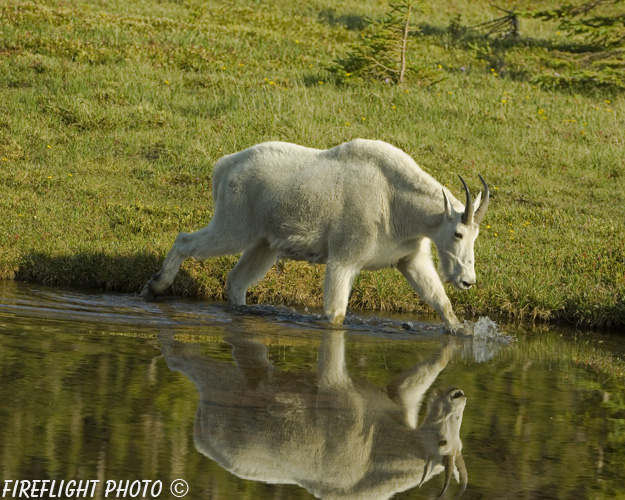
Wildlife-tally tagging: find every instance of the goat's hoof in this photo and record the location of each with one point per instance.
(336, 322)
(148, 292)
(460, 329)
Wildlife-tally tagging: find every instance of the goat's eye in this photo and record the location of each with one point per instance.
(442, 443)
(458, 235)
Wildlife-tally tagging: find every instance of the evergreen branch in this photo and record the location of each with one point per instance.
(384, 67)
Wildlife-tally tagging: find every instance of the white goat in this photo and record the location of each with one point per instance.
(360, 205)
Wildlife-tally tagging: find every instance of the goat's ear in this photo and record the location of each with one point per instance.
(477, 201)
(448, 209)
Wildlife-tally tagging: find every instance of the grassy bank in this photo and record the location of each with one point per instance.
(112, 115)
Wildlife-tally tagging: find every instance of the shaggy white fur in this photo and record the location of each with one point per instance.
(360, 205)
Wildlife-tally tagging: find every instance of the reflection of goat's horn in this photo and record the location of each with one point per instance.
(426, 468)
(464, 476)
(467, 216)
(448, 462)
(479, 214)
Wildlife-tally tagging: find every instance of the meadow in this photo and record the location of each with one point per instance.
(113, 114)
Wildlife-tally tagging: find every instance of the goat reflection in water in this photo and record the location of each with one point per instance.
(336, 437)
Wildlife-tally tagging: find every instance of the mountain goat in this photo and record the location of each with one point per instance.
(339, 438)
(360, 205)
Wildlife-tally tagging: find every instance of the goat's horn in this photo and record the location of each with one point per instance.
(448, 461)
(467, 216)
(479, 214)
(464, 476)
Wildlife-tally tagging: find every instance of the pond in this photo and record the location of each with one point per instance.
(107, 396)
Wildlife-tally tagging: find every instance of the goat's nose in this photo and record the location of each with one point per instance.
(467, 284)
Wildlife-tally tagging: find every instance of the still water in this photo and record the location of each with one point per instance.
(116, 396)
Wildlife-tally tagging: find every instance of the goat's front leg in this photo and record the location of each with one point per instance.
(419, 270)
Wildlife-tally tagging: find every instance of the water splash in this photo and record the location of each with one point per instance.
(487, 339)
(486, 329)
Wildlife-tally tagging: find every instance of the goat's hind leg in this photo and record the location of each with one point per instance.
(200, 245)
(251, 268)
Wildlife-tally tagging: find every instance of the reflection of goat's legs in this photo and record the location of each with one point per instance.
(252, 267)
(251, 359)
(185, 358)
(211, 241)
(336, 288)
(332, 371)
(409, 388)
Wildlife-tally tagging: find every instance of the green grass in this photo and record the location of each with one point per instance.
(112, 116)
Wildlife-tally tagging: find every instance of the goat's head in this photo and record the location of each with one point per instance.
(455, 238)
